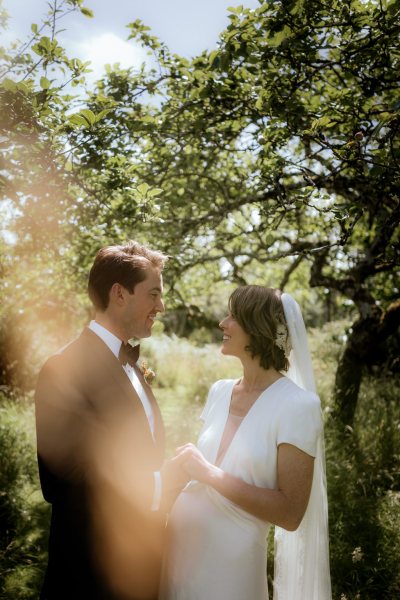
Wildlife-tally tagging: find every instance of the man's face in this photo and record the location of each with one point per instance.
(141, 307)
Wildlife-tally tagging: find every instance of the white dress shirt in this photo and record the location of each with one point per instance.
(114, 344)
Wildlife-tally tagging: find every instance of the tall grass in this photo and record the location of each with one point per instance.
(364, 490)
(362, 468)
(184, 374)
(23, 513)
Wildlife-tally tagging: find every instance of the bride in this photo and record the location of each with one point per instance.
(259, 462)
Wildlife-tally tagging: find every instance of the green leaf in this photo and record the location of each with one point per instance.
(212, 58)
(87, 12)
(320, 123)
(89, 116)
(78, 120)
(44, 83)
(102, 114)
(23, 87)
(384, 120)
(143, 189)
(45, 42)
(155, 192)
(9, 85)
(279, 37)
(298, 8)
(34, 28)
(230, 35)
(235, 10)
(259, 103)
(199, 75)
(269, 239)
(102, 99)
(85, 118)
(42, 47)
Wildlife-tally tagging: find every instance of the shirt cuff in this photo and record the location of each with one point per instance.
(157, 491)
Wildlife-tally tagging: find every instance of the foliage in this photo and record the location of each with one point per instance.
(363, 480)
(282, 144)
(279, 145)
(34, 195)
(363, 470)
(23, 514)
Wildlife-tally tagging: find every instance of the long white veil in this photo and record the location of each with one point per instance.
(302, 556)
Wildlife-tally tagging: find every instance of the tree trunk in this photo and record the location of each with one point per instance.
(347, 385)
(367, 345)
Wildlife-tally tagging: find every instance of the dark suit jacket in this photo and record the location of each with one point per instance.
(96, 459)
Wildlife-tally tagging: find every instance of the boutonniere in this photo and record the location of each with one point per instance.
(148, 373)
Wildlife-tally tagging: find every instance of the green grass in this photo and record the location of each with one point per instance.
(362, 467)
(24, 515)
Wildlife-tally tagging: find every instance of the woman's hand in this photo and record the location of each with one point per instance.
(194, 463)
(283, 506)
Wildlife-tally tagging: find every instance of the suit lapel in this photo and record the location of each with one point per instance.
(102, 355)
(159, 434)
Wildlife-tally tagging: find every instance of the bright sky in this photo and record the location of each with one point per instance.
(186, 26)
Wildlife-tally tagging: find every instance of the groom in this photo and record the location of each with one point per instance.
(101, 441)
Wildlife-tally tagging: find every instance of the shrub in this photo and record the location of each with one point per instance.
(364, 499)
(23, 513)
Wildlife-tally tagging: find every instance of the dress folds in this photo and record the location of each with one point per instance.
(215, 549)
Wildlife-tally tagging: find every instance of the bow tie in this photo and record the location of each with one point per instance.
(129, 354)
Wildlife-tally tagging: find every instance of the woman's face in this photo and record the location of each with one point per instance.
(235, 339)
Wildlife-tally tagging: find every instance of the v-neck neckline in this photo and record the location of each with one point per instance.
(244, 419)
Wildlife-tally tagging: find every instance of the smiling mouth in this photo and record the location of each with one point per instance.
(226, 337)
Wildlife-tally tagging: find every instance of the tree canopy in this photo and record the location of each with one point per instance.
(281, 144)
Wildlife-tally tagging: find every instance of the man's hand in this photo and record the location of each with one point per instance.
(173, 475)
(174, 478)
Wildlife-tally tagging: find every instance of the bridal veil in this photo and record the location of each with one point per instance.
(302, 556)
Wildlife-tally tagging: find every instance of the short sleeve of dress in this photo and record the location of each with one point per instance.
(211, 398)
(301, 423)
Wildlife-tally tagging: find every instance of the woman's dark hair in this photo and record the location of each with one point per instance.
(126, 265)
(259, 311)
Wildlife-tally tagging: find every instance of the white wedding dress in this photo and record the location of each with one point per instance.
(216, 550)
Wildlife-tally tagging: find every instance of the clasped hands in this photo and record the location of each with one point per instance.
(188, 463)
(193, 462)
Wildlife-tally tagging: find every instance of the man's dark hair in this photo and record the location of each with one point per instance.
(126, 264)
